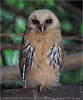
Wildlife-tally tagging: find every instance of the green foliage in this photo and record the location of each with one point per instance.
(41, 2)
(6, 14)
(70, 77)
(11, 57)
(66, 41)
(46, 4)
(81, 74)
(66, 25)
(1, 62)
(81, 28)
(20, 5)
(19, 24)
(11, 2)
(16, 39)
(19, 83)
(6, 18)
(29, 9)
(51, 3)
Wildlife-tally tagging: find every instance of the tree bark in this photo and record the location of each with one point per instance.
(67, 92)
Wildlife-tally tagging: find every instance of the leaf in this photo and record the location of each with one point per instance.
(51, 3)
(41, 2)
(20, 4)
(16, 39)
(70, 77)
(1, 62)
(29, 9)
(19, 24)
(6, 14)
(11, 2)
(81, 28)
(66, 25)
(81, 74)
(11, 57)
(66, 41)
(19, 83)
(65, 78)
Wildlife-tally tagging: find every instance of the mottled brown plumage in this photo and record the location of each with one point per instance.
(41, 55)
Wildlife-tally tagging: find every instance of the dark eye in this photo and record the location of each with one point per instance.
(48, 21)
(35, 21)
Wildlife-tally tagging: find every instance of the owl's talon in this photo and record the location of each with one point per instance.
(41, 87)
(47, 87)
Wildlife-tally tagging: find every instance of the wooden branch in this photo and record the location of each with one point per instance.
(67, 92)
(11, 72)
(76, 38)
(10, 34)
(12, 46)
(71, 62)
(68, 47)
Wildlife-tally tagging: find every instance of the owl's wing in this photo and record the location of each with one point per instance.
(25, 59)
(56, 58)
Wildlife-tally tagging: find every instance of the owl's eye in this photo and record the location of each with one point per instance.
(48, 21)
(35, 21)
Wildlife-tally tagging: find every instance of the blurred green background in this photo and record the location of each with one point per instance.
(13, 16)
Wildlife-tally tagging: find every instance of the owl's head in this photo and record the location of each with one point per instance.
(43, 20)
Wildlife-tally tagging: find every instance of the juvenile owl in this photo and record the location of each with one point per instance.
(41, 54)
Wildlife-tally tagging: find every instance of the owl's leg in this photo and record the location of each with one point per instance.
(35, 94)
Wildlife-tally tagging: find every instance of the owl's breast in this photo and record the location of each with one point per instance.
(42, 48)
(41, 72)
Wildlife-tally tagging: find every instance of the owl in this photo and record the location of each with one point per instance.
(41, 55)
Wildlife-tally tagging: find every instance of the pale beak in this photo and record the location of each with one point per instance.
(42, 28)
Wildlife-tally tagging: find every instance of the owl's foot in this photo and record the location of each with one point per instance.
(45, 87)
(59, 84)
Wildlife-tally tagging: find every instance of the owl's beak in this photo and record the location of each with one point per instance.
(42, 28)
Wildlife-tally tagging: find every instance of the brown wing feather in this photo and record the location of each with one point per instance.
(25, 59)
(56, 58)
